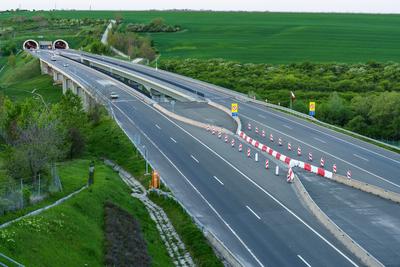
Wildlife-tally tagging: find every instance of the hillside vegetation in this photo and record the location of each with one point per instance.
(364, 98)
(263, 37)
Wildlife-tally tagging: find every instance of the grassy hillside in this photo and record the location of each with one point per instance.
(268, 37)
(72, 234)
(17, 83)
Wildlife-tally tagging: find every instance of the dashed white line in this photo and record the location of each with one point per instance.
(262, 116)
(287, 126)
(173, 140)
(216, 178)
(358, 156)
(303, 260)
(322, 141)
(194, 158)
(255, 214)
(158, 127)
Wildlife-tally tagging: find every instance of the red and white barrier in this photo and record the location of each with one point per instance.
(267, 164)
(287, 160)
(240, 147)
(248, 153)
(233, 142)
(213, 131)
(322, 162)
(271, 138)
(348, 174)
(263, 133)
(249, 126)
(290, 175)
(309, 156)
(289, 146)
(298, 151)
(280, 141)
(334, 168)
(226, 138)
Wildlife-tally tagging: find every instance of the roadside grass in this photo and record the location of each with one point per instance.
(109, 141)
(71, 234)
(191, 235)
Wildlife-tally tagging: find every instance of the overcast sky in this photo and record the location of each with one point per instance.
(367, 6)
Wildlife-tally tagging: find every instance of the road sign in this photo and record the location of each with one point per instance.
(234, 109)
(312, 109)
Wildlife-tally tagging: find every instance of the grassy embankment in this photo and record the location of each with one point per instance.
(71, 234)
(265, 37)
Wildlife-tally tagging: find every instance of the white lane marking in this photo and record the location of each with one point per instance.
(194, 158)
(305, 262)
(287, 126)
(158, 127)
(173, 140)
(262, 116)
(322, 141)
(190, 183)
(245, 176)
(358, 156)
(351, 164)
(216, 178)
(330, 135)
(255, 214)
(265, 192)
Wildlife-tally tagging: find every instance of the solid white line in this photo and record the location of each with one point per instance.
(255, 214)
(265, 192)
(194, 158)
(215, 177)
(327, 153)
(262, 116)
(322, 141)
(198, 192)
(330, 135)
(173, 140)
(287, 126)
(159, 128)
(305, 262)
(358, 156)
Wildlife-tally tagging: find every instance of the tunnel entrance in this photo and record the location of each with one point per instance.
(60, 44)
(30, 44)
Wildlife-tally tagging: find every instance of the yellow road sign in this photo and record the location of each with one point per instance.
(312, 106)
(234, 107)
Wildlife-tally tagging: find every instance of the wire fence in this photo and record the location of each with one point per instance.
(15, 194)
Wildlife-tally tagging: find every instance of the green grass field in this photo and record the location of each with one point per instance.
(268, 37)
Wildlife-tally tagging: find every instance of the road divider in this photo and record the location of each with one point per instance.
(345, 239)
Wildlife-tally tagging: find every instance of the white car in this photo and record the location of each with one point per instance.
(114, 95)
(53, 58)
(65, 65)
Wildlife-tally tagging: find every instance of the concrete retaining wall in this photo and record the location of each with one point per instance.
(372, 189)
(345, 239)
(229, 258)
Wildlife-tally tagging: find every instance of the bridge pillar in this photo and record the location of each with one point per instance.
(64, 85)
(44, 67)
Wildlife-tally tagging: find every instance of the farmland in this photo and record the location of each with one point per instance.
(263, 37)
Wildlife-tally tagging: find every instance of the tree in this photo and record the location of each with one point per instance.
(146, 51)
(11, 61)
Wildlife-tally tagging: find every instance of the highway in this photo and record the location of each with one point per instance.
(367, 162)
(256, 214)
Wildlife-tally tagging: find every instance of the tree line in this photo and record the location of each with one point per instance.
(364, 98)
(35, 135)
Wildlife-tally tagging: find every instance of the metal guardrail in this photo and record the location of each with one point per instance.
(10, 260)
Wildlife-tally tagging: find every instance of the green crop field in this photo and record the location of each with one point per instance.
(268, 37)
